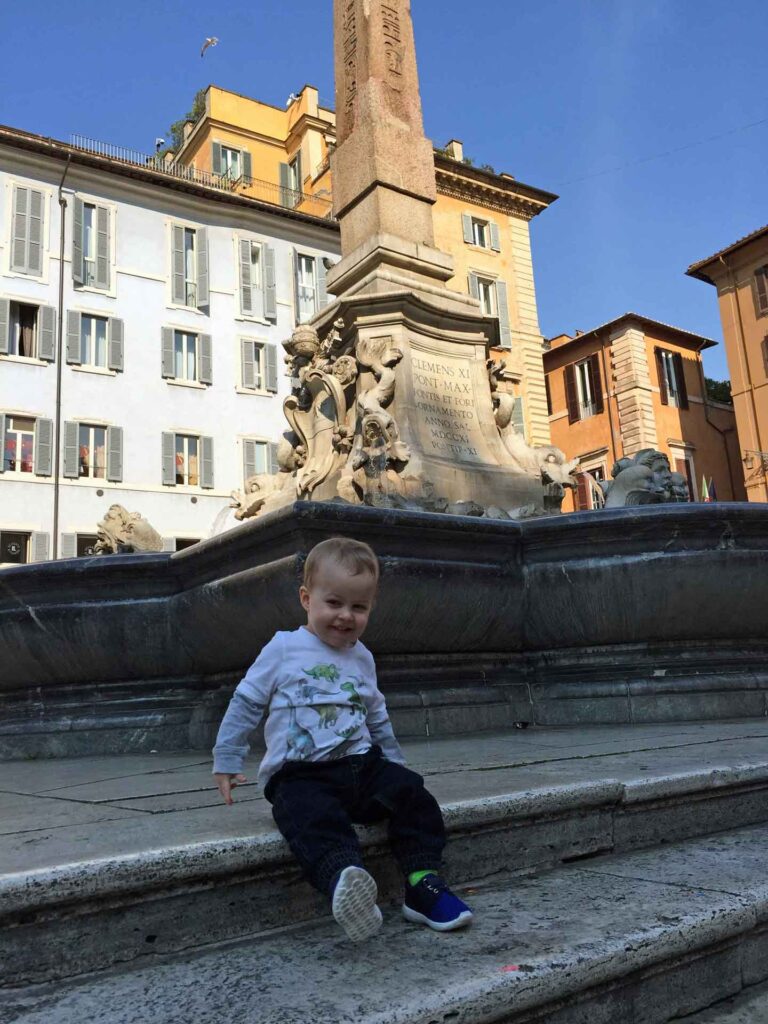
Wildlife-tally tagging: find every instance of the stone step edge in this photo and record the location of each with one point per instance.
(47, 889)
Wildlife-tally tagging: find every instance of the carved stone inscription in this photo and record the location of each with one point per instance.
(393, 44)
(349, 31)
(445, 402)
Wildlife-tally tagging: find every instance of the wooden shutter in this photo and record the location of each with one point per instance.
(178, 291)
(216, 158)
(296, 283)
(661, 372)
(322, 290)
(206, 359)
(39, 545)
(35, 233)
(3, 421)
(248, 363)
(760, 291)
(201, 259)
(169, 459)
(43, 447)
(78, 265)
(274, 465)
(503, 307)
(46, 333)
(5, 330)
(495, 236)
(206, 462)
(73, 337)
(583, 502)
(69, 545)
(270, 372)
(548, 393)
(102, 247)
(286, 196)
(20, 228)
(168, 369)
(595, 382)
(115, 454)
(682, 390)
(270, 288)
(115, 344)
(474, 290)
(71, 451)
(518, 415)
(466, 227)
(246, 299)
(249, 459)
(571, 393)
(247, 170)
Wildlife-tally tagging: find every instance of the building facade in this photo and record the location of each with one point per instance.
(141, 318)
(481, 218)
(635, 383)
(740, 274)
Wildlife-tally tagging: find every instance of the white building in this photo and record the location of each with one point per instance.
(166, 351)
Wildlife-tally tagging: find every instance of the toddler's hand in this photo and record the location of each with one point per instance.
(227, 783)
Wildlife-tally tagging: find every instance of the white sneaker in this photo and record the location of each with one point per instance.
(354, 904)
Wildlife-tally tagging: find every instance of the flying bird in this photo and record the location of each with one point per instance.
(210, 41)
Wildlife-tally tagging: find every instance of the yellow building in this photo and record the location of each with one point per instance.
(481, 218)
(635, 383)
(740, 274)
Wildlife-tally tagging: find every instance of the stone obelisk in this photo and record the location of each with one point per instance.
(392, 401)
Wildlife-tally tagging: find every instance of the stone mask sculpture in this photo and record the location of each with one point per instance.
(644, 479)
(123, 532)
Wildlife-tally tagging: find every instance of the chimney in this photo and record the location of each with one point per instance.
(455, 149)
(188, 126)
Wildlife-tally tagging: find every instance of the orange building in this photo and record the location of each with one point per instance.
(740, 274)
(635, 383)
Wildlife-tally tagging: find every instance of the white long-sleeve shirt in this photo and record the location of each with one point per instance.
(321, 704)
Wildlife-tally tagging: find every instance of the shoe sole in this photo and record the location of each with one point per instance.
(354, 904)
(464, 918)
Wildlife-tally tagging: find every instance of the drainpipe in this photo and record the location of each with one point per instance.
(59, 360)
(745, 360)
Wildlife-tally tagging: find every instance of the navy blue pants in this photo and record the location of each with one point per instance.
(315, 804)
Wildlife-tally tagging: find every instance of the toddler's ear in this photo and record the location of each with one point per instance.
(304, 598)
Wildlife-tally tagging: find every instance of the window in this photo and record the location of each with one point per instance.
(231, 163)
(291, 181)
(186, 542)
(14, 547)
(189, 285)
(306, 288)
(481, 232)
(258, 365)
(19, 447)
(588, 491)
(93, 341)
(27, 331)
(258, 296)
(92, 445)
(27, 231)
(671, 378)
(187, 460)
(486, 292)
(682, 463)
(258, 457)
(187, 356)
(85, 545)
(760, 291)
(91, 256)
(584, 389)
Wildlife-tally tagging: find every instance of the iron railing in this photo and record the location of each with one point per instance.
(266, 191)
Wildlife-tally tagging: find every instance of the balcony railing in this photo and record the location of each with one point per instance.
(266, 191)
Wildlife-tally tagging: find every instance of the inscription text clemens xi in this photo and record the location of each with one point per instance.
(445, 400)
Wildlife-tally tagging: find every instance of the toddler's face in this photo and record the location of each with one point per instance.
(338, 604)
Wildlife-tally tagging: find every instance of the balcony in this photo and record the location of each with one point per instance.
(253, 188)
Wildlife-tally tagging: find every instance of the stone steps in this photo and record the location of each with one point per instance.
(750, 1006)
(64, 919)
(645, 937)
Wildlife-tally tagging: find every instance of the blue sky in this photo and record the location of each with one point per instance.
(633, 111)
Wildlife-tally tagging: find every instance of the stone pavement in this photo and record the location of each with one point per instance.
(64, 811)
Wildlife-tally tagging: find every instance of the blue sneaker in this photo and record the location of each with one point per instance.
(431, 902)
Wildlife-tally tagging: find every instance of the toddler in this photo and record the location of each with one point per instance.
(332, 758)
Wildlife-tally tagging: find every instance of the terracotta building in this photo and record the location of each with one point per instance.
(635, 383)
(740, 274)
(481, 218)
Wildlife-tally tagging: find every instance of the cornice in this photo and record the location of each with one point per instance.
(488, 194)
